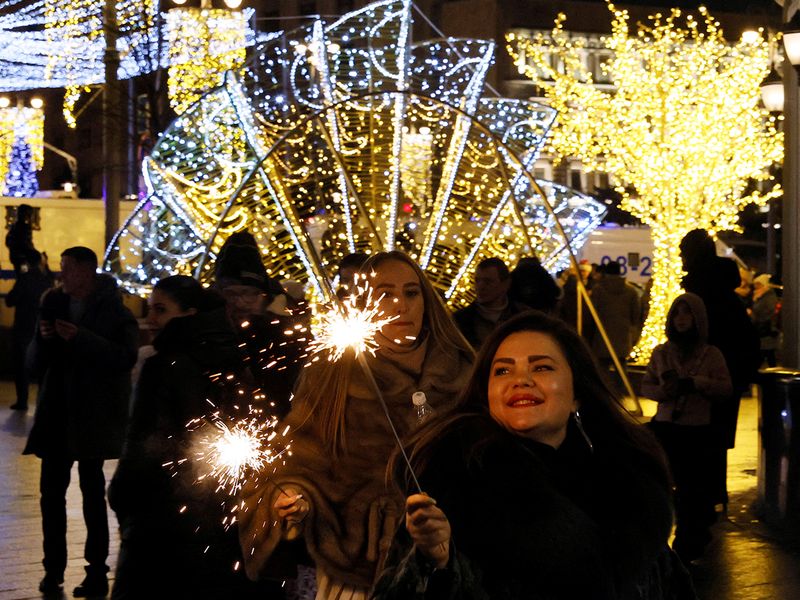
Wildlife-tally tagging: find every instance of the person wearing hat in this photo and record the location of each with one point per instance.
(764, 314)
(269, 324)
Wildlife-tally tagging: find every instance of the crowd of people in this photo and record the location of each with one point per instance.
(527, 479)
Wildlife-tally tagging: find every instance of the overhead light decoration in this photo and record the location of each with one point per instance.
(74, 27)
(204, 43)
(24, 127)
(683, 128)
(329, 117)
(61, 44)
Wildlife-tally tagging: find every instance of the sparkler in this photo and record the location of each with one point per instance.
(232, 449)
(350, 325)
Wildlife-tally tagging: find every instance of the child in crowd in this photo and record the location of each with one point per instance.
(687, 377)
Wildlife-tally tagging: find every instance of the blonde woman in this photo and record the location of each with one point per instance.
(333, 490)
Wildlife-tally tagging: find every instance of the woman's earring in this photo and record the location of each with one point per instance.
(577, 416)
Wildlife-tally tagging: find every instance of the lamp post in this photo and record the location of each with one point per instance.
(112, 137)
(773, 98)
(791, 194)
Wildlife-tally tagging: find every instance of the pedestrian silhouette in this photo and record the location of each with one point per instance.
(33, 280)
(19, 239)
(83, 350)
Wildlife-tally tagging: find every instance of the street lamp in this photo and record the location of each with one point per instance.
(791, 41)
(772, 92)
(790, 311)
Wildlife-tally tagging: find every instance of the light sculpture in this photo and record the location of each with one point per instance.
(682, 132)
(21, 125)
(352, 137)
(203, 44)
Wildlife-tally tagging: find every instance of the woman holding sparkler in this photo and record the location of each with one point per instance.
(540, 485)
(173, 541)
(333, 490)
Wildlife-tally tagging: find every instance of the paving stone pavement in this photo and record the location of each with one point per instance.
(746, 560)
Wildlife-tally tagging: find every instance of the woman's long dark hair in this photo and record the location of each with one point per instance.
(605, 420)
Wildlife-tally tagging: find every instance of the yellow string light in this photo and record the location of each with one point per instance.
(203, 44)
(683, 133)
(74, 26)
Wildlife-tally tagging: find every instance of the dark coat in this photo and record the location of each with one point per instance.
(82, 406)
(534, 287)
(531, 522)
(275, 346)
(475, 328)
(173, 388)
(19, 241)
(730, 329)
(163, 509)
(620, 310)
(25, 297)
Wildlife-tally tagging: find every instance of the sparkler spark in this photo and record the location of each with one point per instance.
(349, 326)
(234, 449)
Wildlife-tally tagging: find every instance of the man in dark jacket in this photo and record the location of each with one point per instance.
(84, 350)
(492, 305)
(269, 324)
(618, 305)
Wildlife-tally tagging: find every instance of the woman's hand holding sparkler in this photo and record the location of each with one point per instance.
(292, 508)
(429, 528)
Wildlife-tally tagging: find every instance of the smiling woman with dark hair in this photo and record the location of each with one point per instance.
(540, 485)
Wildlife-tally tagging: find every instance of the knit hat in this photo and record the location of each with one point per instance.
(239, 263)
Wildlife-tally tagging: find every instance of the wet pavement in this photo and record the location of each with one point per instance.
(747, 560)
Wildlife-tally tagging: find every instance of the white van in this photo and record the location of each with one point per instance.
(632, 248)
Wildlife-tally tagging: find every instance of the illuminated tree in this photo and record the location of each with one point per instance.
(21, 178)
(682, 132)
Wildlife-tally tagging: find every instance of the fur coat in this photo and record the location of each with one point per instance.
(530, 522)
(354, 511)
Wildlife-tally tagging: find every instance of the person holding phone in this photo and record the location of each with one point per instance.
(83, 352)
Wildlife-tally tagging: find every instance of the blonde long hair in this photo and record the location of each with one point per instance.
(322, 390)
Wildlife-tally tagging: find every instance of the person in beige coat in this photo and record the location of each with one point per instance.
(333, 490)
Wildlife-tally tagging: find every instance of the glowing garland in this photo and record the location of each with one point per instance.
(21, 123)
(683, 128)
(60, 43)
(319, 172)
(203, 45)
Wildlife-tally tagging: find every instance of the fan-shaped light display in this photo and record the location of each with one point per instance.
(346, 136)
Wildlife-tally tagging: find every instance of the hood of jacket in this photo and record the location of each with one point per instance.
(698, 310)
(206, 337)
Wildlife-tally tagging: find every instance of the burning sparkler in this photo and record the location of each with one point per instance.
(233, 449)
(350, 325)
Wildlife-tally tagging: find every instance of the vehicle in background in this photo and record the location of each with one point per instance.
(632, 248)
